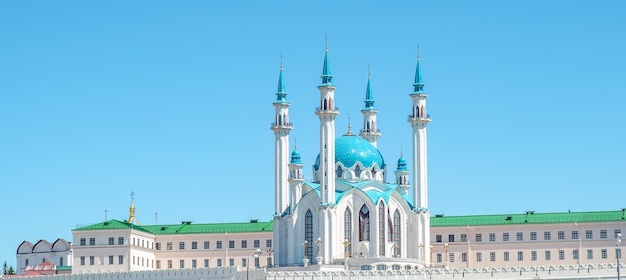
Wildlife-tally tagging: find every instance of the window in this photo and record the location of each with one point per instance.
(463, 257)
(492, 237)
(533, 255)
(520, 255)
(347, 230)
(603, 234)
(158, 246)
(396, 233)
(169, 264)
(546, 235)
(589, 234)
(92, 241)
(589, 254)
(439, 257)
(244, 244)
(133, 260)
(574, 234)
(561, 254)
(479, 237)
(231, 244)
(575, 254)
(82, 260)
(463, 237)
(308, 234)
(505, 236)
(92, 260)
(182, 264)
(111, 259)
(206, 245)
(618, 253)
(451, 257)
(561, 235)
(206, 262)
(520, 236)
(194, 245)
(479, 256)
(506, 256)
(268, 243)
(450, 237)
(438, 238)
(218, 245)
(244, 262)
(364, 224)
(492, 256)
(83, 242)
(194, 263)
(533, 235)
(181, 245)
(120, 259)
(111, 240)
(169, 245)
(616, 232)
(158, 262)
(547, 255)
(604, 253)
(231, 262)
(257, 243)
(256, 262)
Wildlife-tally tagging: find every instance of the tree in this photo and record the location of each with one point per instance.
(5, 268)
(11, 271)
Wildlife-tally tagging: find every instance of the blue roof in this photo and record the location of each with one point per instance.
(280, 93)
(418, 85)
(295, 157)
(350, 149)
(402, 163)
(369, 95)
(327, 77)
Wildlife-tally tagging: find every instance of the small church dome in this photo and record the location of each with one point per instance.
(350, 149)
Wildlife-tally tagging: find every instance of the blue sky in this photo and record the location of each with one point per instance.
(172, 100)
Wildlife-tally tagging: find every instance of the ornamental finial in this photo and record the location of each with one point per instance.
(349, 127)
(326, 36)
(369, 71)
(418, 52)
(281, 62)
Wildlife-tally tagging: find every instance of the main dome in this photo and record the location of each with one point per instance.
(350, 149)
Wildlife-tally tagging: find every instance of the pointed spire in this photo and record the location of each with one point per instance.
(418, 86)
(401, 161)
(326, 75)
(349, 133)
(295, 155)
(281, 94)
(369, 95)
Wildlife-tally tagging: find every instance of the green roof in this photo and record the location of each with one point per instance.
(184, 227)
(529, 218)
(64, 268)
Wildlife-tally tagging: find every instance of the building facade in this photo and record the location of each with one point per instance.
(58, 253)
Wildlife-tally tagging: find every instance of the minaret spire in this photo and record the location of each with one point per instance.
(370, 130)
(327, 77)
(281, 127)
(419, 119)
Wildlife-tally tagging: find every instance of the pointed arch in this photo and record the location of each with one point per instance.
(396, 233)
(364, 223)
(347, 231)
(381, 229)
(339, 172)
(357, 171)
(416, 111)
(308, 234)
(422, 111)
(325, 104)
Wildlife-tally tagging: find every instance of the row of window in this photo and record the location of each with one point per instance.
(219, 263)
(43, 260)
(533, 255)
(547, 235)
(218, 245)
(92, 260)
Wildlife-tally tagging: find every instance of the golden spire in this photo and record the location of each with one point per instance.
(349, 127)
(131, 214)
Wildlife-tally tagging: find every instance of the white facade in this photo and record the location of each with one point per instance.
(28, 255)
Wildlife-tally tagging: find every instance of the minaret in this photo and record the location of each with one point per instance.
(370, 130)
(402, 175)
(295, 179)
(281, 127)
(327, 214)
(327, 113)
(419, 119)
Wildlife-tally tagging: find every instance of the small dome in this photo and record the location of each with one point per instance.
(401, 163)
(295, 157)
(350, 149)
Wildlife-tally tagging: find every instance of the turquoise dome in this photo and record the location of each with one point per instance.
(295, 157)
(402, 163)
(351, 148)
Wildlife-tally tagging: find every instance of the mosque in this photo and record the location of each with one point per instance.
(349, 211)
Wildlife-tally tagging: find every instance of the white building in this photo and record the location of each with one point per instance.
(28, 255)
(348, 210)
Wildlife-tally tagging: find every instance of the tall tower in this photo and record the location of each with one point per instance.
(281, 127)
(370, 130)
(327, 113)
(419, 119)
(402, 175)
(295, 179)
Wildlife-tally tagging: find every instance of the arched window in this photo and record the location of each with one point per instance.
(325, 105)
(357, 171)
(381, 229)
(347, 230)
(416, 112)
(373, 172)
(389, 227)
(308, 234)
(422, 111)
(367, 126)
(396, 233)
(364, 224)
(339, 172)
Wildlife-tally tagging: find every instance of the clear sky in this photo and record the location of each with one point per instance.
(173, 100)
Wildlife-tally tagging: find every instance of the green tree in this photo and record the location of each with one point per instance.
(5, 268)
(11, 271)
